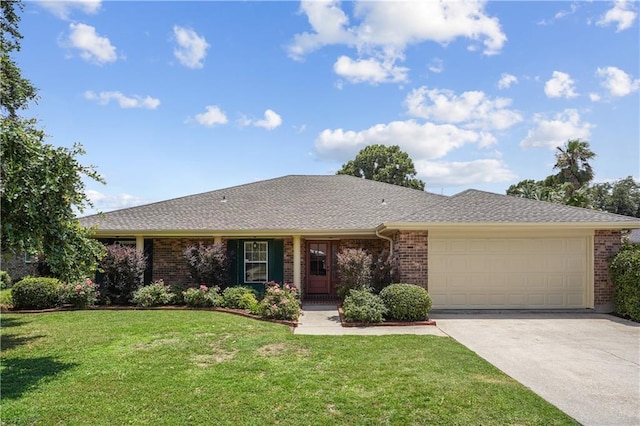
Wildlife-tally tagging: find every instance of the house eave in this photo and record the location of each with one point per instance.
(417, 226)
(252, 233)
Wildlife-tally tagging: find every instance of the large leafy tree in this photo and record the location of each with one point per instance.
(41, 186)
(570, 185)
(620, 197)
(383, 164)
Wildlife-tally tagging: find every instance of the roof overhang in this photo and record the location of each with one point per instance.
(262, 233)
(421, 226)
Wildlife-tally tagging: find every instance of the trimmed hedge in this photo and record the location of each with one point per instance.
(625, 274)
(363, 306)
(406, 302)
(36, 293)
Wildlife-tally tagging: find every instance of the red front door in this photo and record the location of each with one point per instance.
(319, 267)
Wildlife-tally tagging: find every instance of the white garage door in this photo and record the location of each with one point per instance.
(494, 273)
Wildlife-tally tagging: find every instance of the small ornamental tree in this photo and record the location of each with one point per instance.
(354, 267)
(123, 269)
(208, 264)
(384, 271)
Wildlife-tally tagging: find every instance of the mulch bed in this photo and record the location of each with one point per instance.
(239, 312)
(344, 322)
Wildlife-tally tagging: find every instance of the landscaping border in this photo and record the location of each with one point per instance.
(239, 312)
(345, 323)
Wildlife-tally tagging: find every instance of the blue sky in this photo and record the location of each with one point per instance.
(177, 98)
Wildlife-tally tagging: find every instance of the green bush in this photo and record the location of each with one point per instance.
(36, 293)
(81, 294)
(239, 298)
(178, 293)
(406, 302)
(625, 274)
(5, 280)
(202, 297)
(363, 306)
(354, 268)
(280, 302)
(155, 294)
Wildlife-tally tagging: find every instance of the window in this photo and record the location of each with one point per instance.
(255, 262)
(28, 258)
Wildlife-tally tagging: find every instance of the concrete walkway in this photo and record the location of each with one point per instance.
(324, 320)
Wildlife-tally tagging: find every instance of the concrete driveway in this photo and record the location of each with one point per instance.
(588, 365)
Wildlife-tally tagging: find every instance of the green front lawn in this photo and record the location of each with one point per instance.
(200, 367)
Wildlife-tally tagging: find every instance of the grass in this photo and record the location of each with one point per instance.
(200, 367)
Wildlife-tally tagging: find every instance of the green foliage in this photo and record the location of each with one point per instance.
(383, 164)
(177, 291)
(625, 274)
(155, 294)
(208, 264)
(620, 197)
(42, 186)
(123, 269)
(406, 302)
(80, 294)
(384, 271)
(5, 280)
(5, 298)
(363, 306)
(280, 302)
(239, 297)
(572, 161)
(202, 297)
(37, 293)
(354, 268)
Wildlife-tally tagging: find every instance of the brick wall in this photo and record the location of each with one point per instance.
(605, 244)
(168, 260)
(372, 246)
(288, 260)
(411, 250)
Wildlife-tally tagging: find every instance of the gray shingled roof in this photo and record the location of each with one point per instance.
(335, 202)
(473, 206)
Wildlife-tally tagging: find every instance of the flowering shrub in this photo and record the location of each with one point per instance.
(207, 264)
(239, 298)
(123, 272)
(202, 297)
(81, 294)
(354, 268)
(280, 302)
(156, 294)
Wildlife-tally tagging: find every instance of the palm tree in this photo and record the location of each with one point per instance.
(573, 162)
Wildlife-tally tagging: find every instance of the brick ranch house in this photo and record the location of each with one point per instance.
(473, 250)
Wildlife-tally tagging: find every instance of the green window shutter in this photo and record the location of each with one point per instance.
(276, 260)
(235, 252)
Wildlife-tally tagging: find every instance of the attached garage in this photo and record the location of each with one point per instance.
(510, 271)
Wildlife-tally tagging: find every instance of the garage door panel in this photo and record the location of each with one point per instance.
(508, 272)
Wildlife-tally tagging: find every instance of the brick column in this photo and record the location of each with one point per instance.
(605, 244)
(411, 249)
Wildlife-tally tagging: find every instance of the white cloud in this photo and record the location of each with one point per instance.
(474, 109)
(191, 48)
(106, 202)
(271, 121)
(555, 132)
(618, 82)
(211, 117)
(369, 70)
(92, 46)
(436, 66)
(506, 80)
(385, 29)
(135, 101)
(456, 173)
(594, 97)
(560, 86)
(62, 9)
(622, 14)
(420, 141)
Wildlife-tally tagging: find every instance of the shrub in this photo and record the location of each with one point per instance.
(123, 269)
(208, 264)
(178, 293)
(5, 280)
(280, 302)
(239, 298)
(5, 298)
(363, 306)
(384, 271)
(354, 268)
(625, 274)
(155, 294)
(36, 293)
(202, 297)
(406, 302)
(81, 294)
